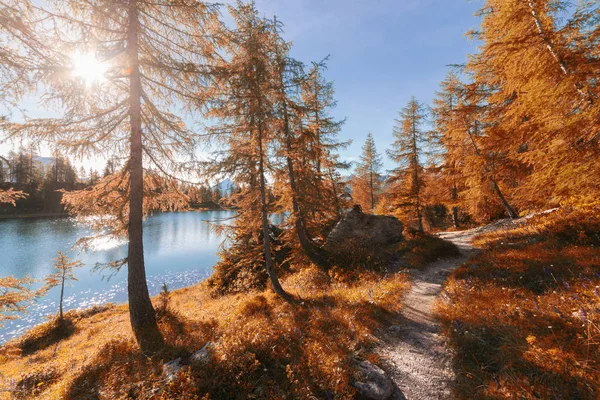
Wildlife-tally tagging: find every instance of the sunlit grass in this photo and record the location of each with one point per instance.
(524, 315)
(263, 346)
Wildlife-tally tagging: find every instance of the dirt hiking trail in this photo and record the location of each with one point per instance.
(413, 351)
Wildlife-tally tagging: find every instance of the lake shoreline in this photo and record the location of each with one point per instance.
(34, 216)
(180, 249)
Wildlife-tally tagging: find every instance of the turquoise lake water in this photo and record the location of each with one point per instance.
(180, 250)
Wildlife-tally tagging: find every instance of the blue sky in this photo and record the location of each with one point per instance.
(382, 53)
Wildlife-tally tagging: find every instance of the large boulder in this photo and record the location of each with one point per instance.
(370, 230)
(373, 383)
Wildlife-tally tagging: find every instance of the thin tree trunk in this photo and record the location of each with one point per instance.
(312, 251)
(62, 292)
(509, 209)
(417, 184)
(511, 212)
(338, 207)
(551, 49)
(141, 311)
(455, 217)
(454, 208)
(372, 192)
(265, 220)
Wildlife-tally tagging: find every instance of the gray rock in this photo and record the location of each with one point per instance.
(202, 356)
(171, 369)
(368, 229)
(374, 383)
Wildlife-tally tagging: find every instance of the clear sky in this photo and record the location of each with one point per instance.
(382, 52)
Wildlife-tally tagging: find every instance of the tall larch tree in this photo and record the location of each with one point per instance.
(289, 111)
(544, 112)
(320, 138)
(409, 152)
(455, 149)
(366, 183)
(472, 171)
(243, 104)
(151, 58)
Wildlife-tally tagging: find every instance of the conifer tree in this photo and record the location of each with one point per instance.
(289, 112)
(15, 295)
(64, 273)
(154, 56)
(470, 172)
(320, 133)
(541, 115)
(243, 103)
(409, 151)
(9, 196)
(366, 184)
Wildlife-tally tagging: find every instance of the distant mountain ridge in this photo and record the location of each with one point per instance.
(226, 186)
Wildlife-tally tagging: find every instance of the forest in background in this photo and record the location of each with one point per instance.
(42, 181)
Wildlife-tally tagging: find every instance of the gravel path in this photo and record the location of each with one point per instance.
(413, 350)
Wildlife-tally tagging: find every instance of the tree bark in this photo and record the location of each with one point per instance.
(265, 221)
(454, 208)
(509, 209)
(372, 190)
(417, 184)
(62, 292)
(455, 217)
(141, 312)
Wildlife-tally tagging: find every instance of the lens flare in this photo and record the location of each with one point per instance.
(87, 67)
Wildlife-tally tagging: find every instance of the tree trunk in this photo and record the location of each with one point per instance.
(338, 207)
(417, 184)
(455, 217)
(454, 208)
(312, 251)
(62, 292)
(372, 192)
(265, 221)
(141, 311)
(511, 211)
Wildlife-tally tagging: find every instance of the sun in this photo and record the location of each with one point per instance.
(87, 67)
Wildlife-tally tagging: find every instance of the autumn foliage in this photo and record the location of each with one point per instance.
(522, 316)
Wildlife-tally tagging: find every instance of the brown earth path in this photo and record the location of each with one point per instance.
(413, 351)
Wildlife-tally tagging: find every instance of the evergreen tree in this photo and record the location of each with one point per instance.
(319, 138)
(64, 273)
(409, 151)
(541, 116)
(15, 295)
(471, 172)
(154, 55)
(289, 112)
(242, 93)
(366, 184)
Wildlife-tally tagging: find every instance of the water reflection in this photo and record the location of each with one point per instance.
(180, 249)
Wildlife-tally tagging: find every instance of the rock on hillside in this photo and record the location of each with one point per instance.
(367, 229)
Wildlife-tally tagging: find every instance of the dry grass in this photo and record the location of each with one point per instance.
(524, 315)
(421, 249)
(263, 347)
